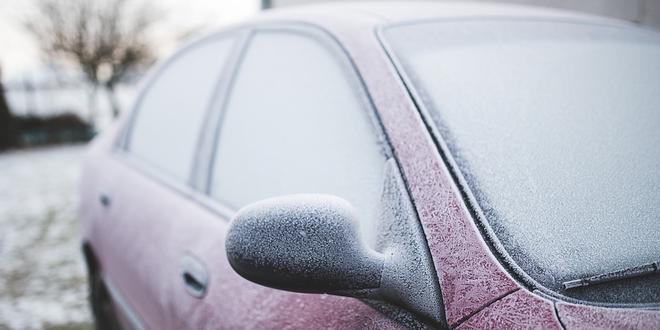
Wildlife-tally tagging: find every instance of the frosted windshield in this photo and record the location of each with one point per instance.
(556, 129)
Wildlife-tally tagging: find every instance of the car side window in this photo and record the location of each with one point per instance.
(297, 121)
(166, 126)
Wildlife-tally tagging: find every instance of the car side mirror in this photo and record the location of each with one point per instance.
(303, 243)
(310, 244)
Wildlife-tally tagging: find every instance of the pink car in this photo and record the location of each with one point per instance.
(385, 166)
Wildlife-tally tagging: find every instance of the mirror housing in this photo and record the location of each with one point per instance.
(303, 243)
(310, 244)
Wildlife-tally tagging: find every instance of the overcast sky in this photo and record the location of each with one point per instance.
(19, 53)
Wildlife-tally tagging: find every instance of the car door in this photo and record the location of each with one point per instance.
(151, 177)
(295, 119)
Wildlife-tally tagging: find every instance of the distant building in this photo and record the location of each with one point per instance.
(645, 12)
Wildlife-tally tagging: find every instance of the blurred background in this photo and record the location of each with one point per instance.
(68, 69)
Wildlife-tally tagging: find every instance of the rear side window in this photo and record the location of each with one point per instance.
(297, 121)
(169, 116)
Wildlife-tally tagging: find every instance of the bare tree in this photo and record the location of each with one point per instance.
(106, 39)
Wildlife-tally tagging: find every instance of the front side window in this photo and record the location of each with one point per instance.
(555, 127)
(169, 116)
(296, 121)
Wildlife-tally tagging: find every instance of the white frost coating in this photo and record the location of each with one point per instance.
(308, 243)
(557, 129)
(294, 124)
(409, 278)
(305, 243)
(168, 120)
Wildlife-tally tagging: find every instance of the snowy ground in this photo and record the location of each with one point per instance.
(42, 275)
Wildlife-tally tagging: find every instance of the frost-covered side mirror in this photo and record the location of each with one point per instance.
(310, 243)
(303, 243)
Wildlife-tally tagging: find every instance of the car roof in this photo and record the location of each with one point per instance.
(342, 15)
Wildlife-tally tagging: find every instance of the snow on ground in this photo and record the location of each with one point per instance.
(42, 274)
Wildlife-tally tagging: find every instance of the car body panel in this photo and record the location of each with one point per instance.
(153, 239)
(154, 245)
(477, 290)
(519, 310)
(141, 242)
(470, 277)
(133, 241)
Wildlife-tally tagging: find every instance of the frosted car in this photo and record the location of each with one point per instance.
(385, 166)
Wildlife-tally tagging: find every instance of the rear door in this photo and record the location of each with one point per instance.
(152, 181)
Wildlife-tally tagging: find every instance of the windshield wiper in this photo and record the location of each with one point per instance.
(631, 272)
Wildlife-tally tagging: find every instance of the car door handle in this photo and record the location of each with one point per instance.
(194, 275)
(105, 200)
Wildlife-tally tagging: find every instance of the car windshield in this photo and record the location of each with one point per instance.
(555, 129)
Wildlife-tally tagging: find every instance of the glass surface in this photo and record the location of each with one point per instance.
(556, 129)
(169, 117)
(295, 123)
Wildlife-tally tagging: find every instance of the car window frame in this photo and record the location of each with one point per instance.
(335, 49)
(120, 145)
(197, 189)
